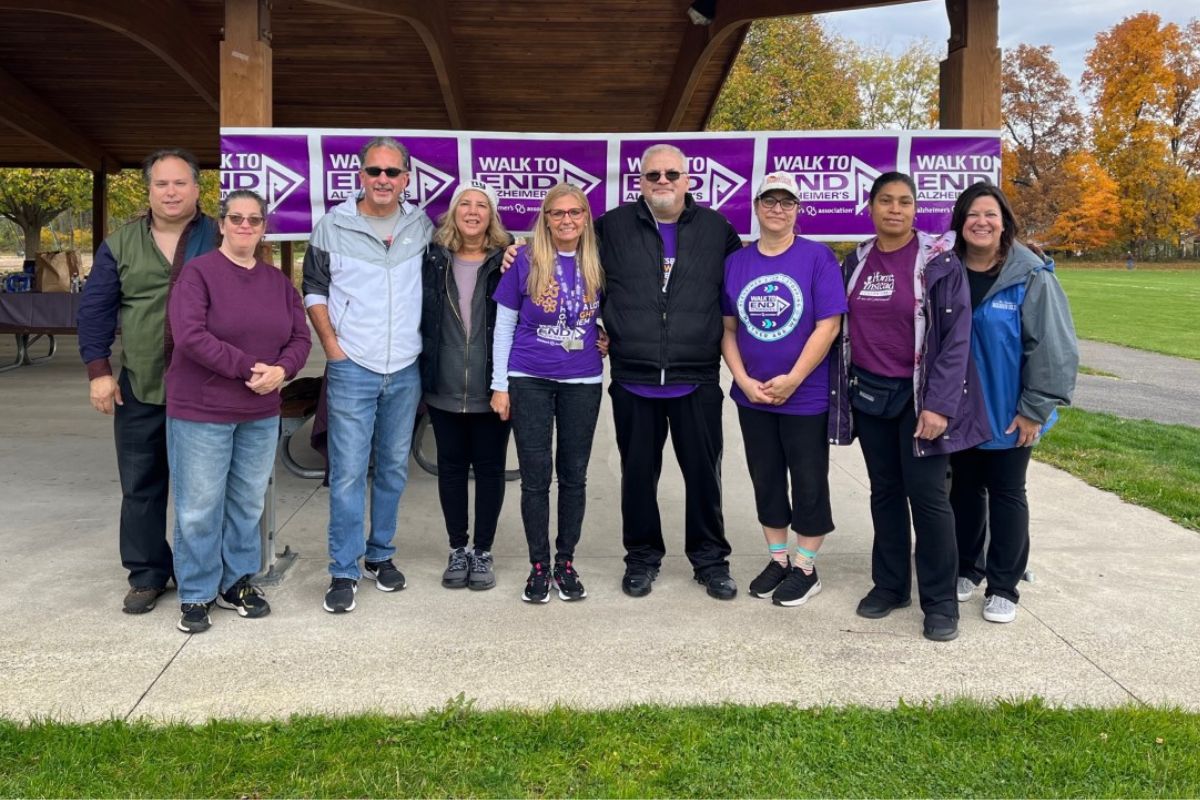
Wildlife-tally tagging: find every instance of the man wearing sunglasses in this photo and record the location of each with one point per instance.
(362, 288)
(664, 262)
(131, 276)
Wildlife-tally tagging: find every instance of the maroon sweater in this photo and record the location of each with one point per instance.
(224, 319)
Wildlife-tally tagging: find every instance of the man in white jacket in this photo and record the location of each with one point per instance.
(362, 288)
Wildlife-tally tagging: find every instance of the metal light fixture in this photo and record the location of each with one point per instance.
(702, 12)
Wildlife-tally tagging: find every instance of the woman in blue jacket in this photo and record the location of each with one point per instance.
(1026, 356)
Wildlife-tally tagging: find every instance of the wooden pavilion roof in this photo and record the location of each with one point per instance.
(91, 82)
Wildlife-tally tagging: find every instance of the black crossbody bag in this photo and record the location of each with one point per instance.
(878, 395)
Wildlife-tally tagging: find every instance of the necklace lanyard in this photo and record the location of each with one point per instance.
(572, 299)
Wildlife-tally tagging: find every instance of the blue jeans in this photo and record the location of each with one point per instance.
(369, 415)
(219, 473)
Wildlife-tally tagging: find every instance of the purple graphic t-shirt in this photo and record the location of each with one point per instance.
(668, 231)
(778, 301)
(882, 303)
(547, 325)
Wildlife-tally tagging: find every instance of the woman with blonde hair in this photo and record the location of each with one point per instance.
(547, 374)
(460, 272)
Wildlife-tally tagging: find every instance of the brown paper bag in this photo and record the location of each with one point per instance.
(55, 271)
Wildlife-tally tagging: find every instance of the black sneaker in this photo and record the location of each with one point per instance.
(797, 588)
(719, 585)
(567, 581)
(339, 597)
(140, 599)
(768, 579)
(638, 582)
(194, 618)
(940, 628)
(482, 577)
(387, 578)
(457, 569)
(244, 598)
(872, 607)
(537, 588)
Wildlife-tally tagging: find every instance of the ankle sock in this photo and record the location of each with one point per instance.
(806, 560)
(779, 553)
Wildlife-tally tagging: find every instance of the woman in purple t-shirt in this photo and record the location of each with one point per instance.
(239, 330)
(783, 301)
(547, 373)
(904, 364)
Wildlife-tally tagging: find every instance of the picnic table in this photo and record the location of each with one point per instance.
(31, 316)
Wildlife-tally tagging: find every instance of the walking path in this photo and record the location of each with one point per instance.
(1113, 617)
(1148, 385)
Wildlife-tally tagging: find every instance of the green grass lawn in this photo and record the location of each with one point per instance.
(1151, 465)
(1150, 309)
(1019, 749)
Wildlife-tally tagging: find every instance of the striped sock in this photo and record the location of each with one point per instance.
(806, 560)
(779, 553)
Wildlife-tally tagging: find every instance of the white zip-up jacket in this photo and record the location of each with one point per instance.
(372, 290)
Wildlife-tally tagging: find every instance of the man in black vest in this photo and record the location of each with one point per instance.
(664, 263)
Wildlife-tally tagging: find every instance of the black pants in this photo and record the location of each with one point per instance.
(540, 409)
(694, 422)
(466, 442)
(988, 492)
(899, 480)
(140, 430)
(779, 446)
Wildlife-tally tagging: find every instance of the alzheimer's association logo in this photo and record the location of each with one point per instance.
(943, 176)
(426, 182)
(710, 182)
(259, 173)
(770, 306)
(530, 177)
(830, 178)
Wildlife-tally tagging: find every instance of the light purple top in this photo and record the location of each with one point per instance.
(543, 325)
(778, 300)
(466, 273)
(668, 231)
(224, 319)
(882, 327)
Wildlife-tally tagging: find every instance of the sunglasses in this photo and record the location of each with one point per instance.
(654, 175)
(788, 203)
(391, 172)
(558, 213)
(238, 219)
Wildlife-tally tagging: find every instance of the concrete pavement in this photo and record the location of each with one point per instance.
(1112, 618)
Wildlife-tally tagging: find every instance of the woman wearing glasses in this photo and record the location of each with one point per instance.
(461, 271)
(783, 303)
(239, 331)
(547, 374)
(904, 367)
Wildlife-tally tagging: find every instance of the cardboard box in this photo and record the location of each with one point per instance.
(56, 270)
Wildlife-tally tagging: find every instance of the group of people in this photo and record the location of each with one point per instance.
(941, 354)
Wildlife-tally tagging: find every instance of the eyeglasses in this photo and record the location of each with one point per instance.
(654, 175)
(788, 203)
(391, 172)
(238, 219)
(558, 213)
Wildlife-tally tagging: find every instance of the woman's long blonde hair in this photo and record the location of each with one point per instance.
(542, 253)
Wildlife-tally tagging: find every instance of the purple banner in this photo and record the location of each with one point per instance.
(719, 173)
(834, 175)
(434, 161)
(942, 166)
(275, 166)
(523, 170)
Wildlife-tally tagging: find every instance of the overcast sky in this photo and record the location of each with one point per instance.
(1070, 26)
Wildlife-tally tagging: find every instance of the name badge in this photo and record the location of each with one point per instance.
(572, 344)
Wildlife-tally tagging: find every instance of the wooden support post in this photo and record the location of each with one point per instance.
(100, 204)
(287, 258)
(969, 94)
(246, 87)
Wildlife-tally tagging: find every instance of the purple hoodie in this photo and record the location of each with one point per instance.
(944, 378)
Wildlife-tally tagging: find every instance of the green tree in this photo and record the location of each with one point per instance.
(790, 74)
(898, 91)
(32, 198)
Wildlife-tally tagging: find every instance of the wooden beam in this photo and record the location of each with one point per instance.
(969, 79)
(164, 27)
(99, 206)
(701, 42)
(23, 110)
(246, 65)
(431, 21)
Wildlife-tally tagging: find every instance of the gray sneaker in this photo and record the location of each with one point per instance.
(457, 569)
(966, 587)
(481, 576)
(999, 609)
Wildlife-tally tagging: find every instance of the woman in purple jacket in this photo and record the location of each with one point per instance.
(239, 331)
(903, 369)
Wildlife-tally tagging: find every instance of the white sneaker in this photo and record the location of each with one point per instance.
(999, 609)
(966, 587)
